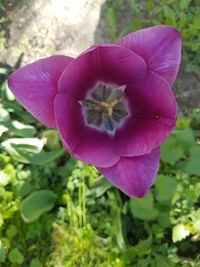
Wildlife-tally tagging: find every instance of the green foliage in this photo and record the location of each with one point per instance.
(76, 218)
(134, 15)
(57, 211)
(143, 208)
(15, 256)
(111, 21)
(33, 206)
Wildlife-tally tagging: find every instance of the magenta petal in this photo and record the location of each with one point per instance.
(35, 86)
(105, 63)
(85, 143)
(134, 176)
(160, 46)
(153, 115)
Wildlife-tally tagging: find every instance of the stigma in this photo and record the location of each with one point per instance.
(105, 108)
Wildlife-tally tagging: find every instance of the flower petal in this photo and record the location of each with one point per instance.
(35, 86)
(107, 63)
(160, 46)
(153, 115)
(134, 176)
(104, 63)
(85, 143)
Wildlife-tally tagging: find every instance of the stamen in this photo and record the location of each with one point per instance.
(101, 93)
(105, 108)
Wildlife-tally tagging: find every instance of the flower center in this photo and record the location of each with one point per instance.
(105, 108)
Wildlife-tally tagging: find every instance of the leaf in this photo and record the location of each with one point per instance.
(163, 218)
(111, 22)
(179, 232)
(144, 246)
(192, 166)
(7, 174)
(11, 231)
(165, 188)
(141, 249)
(171, 151)
(18, 147)
(161, 261)
(43, 157)
(28, 150)
(36, 204)
(143, 208)
(3, 129)
(2, 253)
(182, 122)
(184, 136)
(184, 4)
(35, 263)
(4, 178)
(100, 186)
(19, 129)
(4, 115)
(15, 256)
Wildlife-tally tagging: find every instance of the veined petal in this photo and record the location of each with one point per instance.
(153, 112)
(35, 86)
(85, 143)
(134, 176)
(108, 64)
(104, 63)
(160, 46)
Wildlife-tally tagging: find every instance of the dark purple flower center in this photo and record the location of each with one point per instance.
(105, 108)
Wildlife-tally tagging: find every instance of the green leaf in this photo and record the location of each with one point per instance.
(192, 166)
(7, 174)
(19, 129)
(143, 208)
(4, 115)
(11, 231)
(136, 25)
(100, 186)
(179, 232)
(161, 261)
(141, 249)
(111, 22)
(144, 246)
(171, 151)
(163, 218)
(184, 4)
(35, 263)
(4, 178)
(36, 204)
(15, 256)
(53, 140)
(184, 136)
(165, 188)
(2, 253)
(18, 147)
(7, 92)
(3, 129)
(43, 157)
(28, 150)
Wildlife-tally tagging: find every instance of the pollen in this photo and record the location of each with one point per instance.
(105, 108)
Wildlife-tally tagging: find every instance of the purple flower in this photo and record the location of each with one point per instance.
(112, 105)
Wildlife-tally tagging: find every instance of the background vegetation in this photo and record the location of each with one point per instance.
(56, 211)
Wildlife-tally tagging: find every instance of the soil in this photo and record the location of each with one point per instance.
(39, 28)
